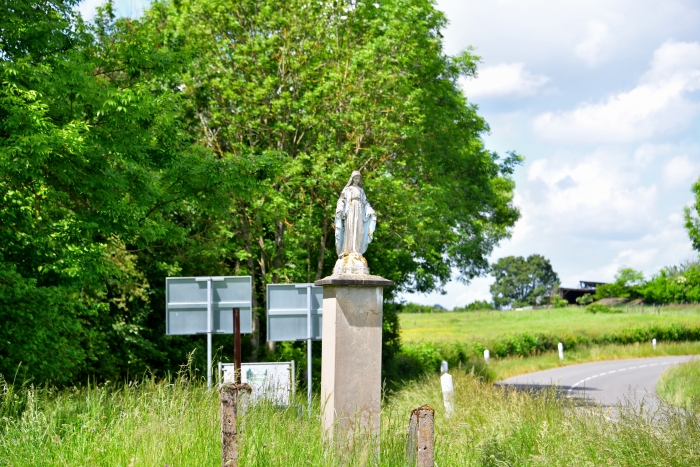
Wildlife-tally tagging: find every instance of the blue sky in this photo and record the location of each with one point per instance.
(602, 97)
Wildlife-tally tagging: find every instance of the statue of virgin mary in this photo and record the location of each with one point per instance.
(355, 221)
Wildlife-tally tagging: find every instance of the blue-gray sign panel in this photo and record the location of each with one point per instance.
(287, 313)
(186, 304)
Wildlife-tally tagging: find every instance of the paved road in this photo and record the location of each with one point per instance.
(603, 382)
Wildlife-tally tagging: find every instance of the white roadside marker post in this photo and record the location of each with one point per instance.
(443, 367)
(487, 356)
(560, 346)
(653, 343)
(448, 393)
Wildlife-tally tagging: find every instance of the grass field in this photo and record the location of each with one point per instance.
(176, 423)
(486, 325)
(680, 385)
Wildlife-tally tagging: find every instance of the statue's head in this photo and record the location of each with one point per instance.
(355, 179)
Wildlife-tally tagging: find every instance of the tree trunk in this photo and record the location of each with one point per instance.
(322, 249)
(278, 258)
(255, 340)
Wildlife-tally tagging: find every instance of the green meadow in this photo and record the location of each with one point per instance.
(484, 326)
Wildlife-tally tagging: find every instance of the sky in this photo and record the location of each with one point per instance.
(602, 98)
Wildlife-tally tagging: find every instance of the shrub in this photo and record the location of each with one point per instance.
(598, 308)
(416, 308)
(675, 284)
(585, 299)
(475, 306)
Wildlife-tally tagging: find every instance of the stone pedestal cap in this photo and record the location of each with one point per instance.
(366, 280)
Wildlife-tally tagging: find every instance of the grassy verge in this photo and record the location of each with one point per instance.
(513, 366)
(680, 385)
(489, 325)
(176, 423)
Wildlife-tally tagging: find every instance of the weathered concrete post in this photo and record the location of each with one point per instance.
(351, 372)
(229, 397)
(420, 442)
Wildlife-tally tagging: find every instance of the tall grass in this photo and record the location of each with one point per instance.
(176, 423)
(151, 423)
(680, 385)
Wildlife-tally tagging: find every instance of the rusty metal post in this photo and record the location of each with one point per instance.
(420, 448)
(229, 397)
(237, 345)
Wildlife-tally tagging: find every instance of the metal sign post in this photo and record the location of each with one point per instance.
(210, 320)
(294, 313)
(237, 344)
(309, 337)
(202, 305)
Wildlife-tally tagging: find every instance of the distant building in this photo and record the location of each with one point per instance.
(570, 295)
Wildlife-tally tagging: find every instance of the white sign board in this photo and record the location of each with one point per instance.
(271, 381)
(288, 311)
(187, 304)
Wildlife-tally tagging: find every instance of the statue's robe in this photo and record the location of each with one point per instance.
(355, 221)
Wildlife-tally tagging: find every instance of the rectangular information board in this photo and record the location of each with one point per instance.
(287, 311)
(187, 305)
(271, 381)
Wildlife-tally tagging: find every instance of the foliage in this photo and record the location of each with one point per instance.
(675, 284)
(585, 299)
(213, 138)
(692, 219)
(94, 167)
(411, 307)
(418, 358)
(521, 282)
(476, 305)
(558, 302)
(628, 284)
(680, 385)
(600, 308)
(319, 90)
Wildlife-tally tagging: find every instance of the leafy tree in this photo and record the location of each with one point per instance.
(674, 284)
(627, 285)
(305, 92)
(94, 167)
(521, 282)
(214, 138)
(692, 219)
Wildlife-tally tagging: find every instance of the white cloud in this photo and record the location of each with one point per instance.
(659, 105)
(594, 49)
(506, 79)
(680, 171)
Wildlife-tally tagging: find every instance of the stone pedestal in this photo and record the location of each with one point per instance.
(351, 373)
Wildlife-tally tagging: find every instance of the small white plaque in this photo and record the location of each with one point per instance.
(271, 381)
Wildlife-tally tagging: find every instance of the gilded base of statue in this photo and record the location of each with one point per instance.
(351, 263)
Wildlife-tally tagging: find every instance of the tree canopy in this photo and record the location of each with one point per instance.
(520, 281)
(214, 138)
(692, 219)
